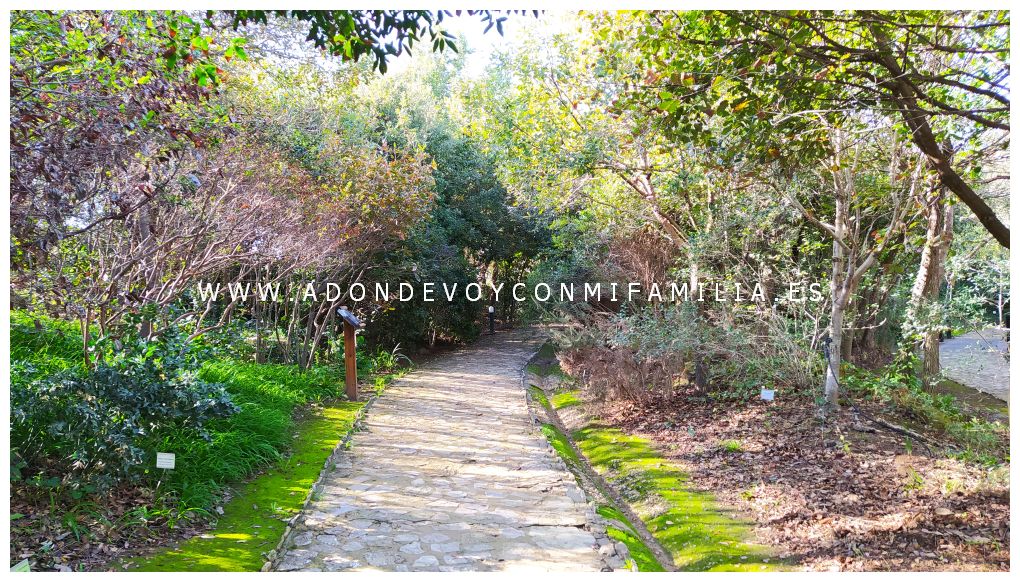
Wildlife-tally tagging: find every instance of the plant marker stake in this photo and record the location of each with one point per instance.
(350, 363)
(165, 461)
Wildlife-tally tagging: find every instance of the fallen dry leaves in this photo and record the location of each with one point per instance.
(837, 495)
(86, 535)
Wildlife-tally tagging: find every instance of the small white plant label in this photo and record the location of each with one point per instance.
(165, 460)
(768, 395)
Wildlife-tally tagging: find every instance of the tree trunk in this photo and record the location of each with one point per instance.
(839, 297)
(849, 340)
(700, 369)
(925, 292)
(835, 356)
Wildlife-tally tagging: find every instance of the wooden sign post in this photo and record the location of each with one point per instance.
(351, 323)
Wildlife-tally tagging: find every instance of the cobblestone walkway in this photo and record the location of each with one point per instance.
(975, 360)
(450, 474)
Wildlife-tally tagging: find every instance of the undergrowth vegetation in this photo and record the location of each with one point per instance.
(967, 434)
(84, 441)
(254, 519)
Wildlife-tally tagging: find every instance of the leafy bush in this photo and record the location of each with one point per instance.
(87, 430)
(87, 427)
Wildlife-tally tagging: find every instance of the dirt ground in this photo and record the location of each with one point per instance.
(838, 495)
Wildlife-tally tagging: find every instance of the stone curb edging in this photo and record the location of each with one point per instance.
(613, 555)
(595, 485)
(275, 556)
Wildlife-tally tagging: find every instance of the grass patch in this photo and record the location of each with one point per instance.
(36, 352)
(731, 446)
(565, 399)
(254, 520)
(699, 534)
(248, 441)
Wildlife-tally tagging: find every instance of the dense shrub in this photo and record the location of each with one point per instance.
(88, 427)
(76, 428)
(650, 353)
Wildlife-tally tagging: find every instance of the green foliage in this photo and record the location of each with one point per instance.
(39, 350)
(74, 428)
(89, 87)
(253, 438)
(88, 427)
(473, 232)
(382, 34)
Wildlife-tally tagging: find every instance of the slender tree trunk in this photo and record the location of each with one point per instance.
(700, 369)
(835, 355)
(849, 340)
(925, 291)
(320, 329)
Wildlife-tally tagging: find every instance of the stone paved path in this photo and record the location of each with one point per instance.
(450, 474)
(975, 359)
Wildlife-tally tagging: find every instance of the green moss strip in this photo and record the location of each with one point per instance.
(560, 444)
(699, 534)
(565, 399)
(639, 552)
(538, 395)
(255, 518)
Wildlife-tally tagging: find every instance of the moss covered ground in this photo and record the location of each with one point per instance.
(538, 395)
(700, 535)
(642, 557)
(565, 399)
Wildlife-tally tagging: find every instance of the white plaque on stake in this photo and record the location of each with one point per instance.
(165, 460)
(768, 395)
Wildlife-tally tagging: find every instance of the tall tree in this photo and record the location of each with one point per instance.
(942, 77)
